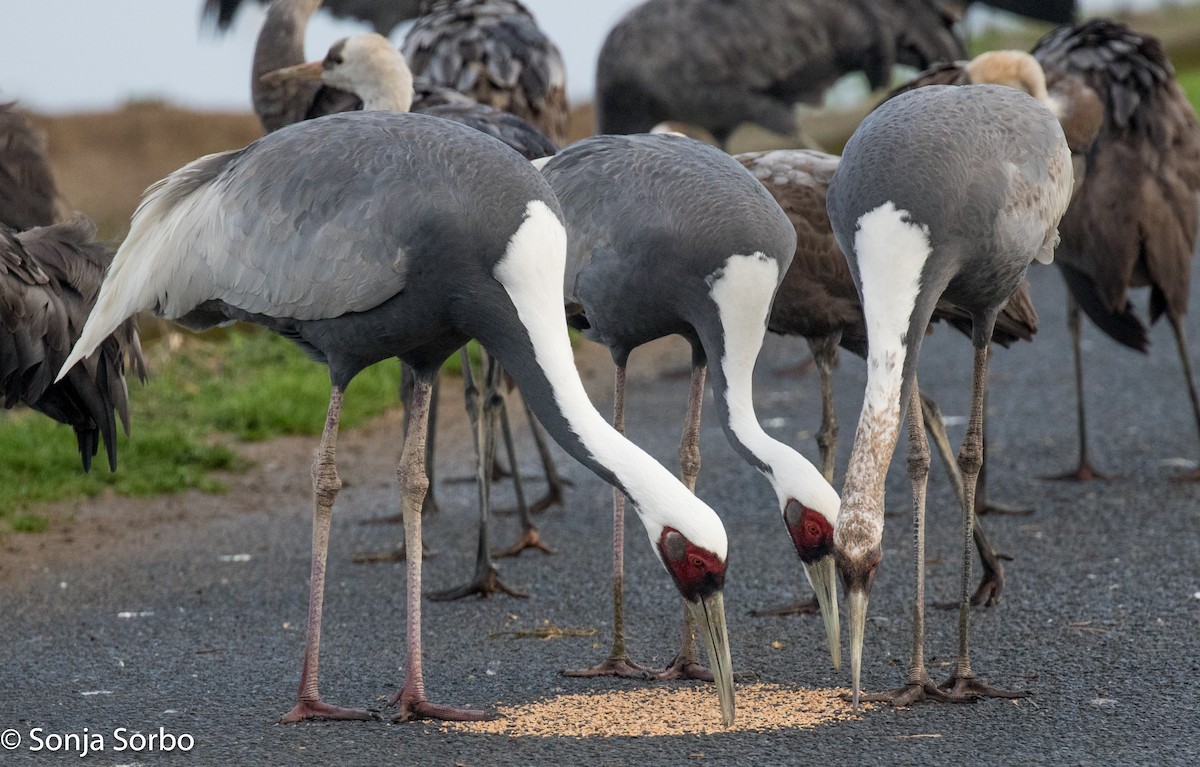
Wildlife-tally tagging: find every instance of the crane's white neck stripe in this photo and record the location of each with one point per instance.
(891, 252)
(531, 272)
(743, 289)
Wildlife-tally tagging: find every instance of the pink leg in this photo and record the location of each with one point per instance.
(326, 484)
(414, 483)
(617, 663)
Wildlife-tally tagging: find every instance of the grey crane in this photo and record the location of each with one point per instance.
(1133, 222)
(383, 15)
(372, 69)
(49, 277)
(817, 300)
(667, 235)
(495, 52)
(719, 64)
(373, 235)
(28, 193)
(942, 192)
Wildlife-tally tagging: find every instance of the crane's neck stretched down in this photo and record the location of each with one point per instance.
(531, 273)
(891, 252)
(742, 290)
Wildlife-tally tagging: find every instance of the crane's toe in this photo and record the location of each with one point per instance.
(913, 692)
(530, 539)
(320, 710)
(963, 689)
(484, 585)
(683, 667)
(621, 667)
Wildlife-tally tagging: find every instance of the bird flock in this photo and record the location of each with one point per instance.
(405, 200)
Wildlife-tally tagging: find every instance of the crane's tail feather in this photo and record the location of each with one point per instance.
(165, 224)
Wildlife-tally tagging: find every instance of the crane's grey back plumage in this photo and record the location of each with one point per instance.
(28, 195)
(817, 297)
(494, 51)
(719, 64)
(647, 209)
(49, 277)
(383, 15)
(986, 175)
(1134, 220)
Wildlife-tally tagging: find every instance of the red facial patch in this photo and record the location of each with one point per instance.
(812, 535)
(698, 573)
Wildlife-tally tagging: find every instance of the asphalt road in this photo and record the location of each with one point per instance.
(186, 613)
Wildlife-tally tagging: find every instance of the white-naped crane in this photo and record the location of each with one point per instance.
(373, 235)
(717, 65)
(668, 235)
(369, 67)
(49, 277)
(942, 192)
(818, 301)
(495, 52)
(1133, 222)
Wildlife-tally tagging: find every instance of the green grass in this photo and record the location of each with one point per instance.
(187, 421)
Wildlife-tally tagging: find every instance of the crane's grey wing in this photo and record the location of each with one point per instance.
(28, 194)
(1134, 219)
(49, 278)
(494, 51)
(530, 142)
(427, 94)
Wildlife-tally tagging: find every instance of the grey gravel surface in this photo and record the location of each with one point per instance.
(187, 613)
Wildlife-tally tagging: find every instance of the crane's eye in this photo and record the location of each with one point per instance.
(696, 562)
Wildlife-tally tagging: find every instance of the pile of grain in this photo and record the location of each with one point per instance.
(654, 711)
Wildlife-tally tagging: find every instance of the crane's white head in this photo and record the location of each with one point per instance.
(368, 66)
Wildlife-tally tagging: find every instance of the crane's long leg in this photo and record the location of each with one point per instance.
(530, 537)
(918, 685)
(824, 355)
(482, 412)
(991, 584)
(1084, 471)
(431, 506)
(326, 485)
(1181, 345)
(963, 684)
(414, 482)
(618, 662)
(686, 664)
(554, 481)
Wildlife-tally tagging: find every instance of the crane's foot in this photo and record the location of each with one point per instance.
(1190, 476)
(399, 554)
(959, 689)
(811, 607)
(614, 665)
(554, 496)
(1085, 473)
(530, 539)
(684, 668)
(991, 584)
(483, 586)
(994, 507)
(414, 706)
(901, 697)
(320, 710)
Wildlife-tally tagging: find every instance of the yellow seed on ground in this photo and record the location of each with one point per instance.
(656, 711)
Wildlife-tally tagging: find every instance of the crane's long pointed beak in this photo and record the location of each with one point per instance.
(710, 617)
(821, 576)
(856, 600)
(309, 71)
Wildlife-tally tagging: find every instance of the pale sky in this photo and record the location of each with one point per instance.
(73, 55)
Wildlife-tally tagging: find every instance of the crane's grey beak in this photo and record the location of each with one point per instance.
(710, 617)
(824, 584)
(856, 600)
(310, 71)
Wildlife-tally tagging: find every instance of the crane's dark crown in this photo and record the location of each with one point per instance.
(858, 574)
(698, 572)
